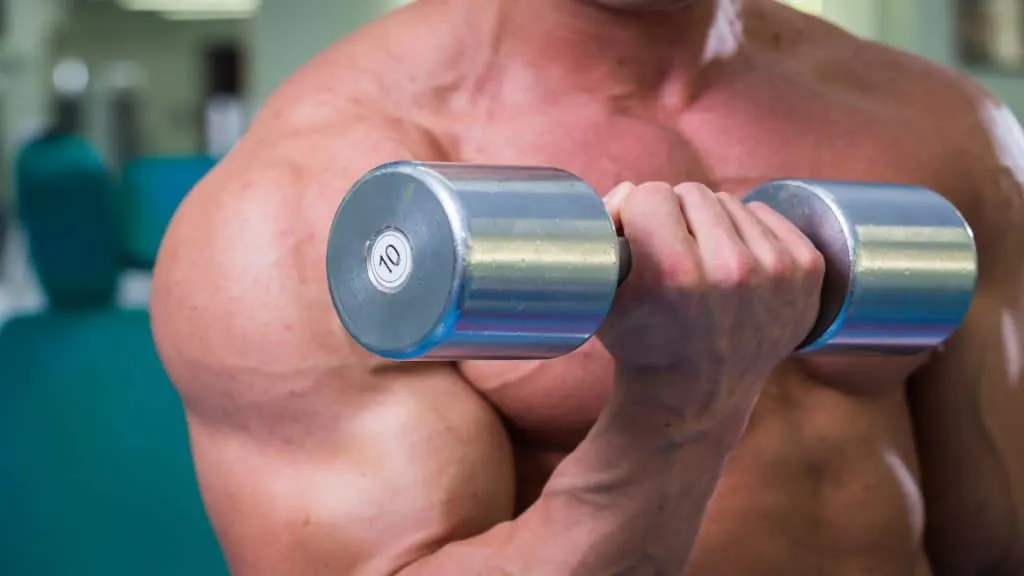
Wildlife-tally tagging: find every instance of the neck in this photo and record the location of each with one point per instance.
(569, 45)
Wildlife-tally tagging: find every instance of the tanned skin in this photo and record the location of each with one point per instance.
(685, 439)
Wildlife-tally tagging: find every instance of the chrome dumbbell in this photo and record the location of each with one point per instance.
(461, 261)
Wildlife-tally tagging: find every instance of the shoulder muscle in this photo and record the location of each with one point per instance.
(313, 457)
(967, 401)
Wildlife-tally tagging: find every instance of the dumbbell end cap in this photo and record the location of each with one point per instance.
(395, 259)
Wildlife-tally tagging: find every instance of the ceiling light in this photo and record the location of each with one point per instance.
(225, 6)
(208, 15)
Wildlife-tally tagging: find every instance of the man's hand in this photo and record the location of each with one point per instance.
(711, 279)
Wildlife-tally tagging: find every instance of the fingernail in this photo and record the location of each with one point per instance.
(618, 193)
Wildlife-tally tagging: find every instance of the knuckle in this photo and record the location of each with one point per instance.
(693, 188)
(655, 192)
(811, 260)
(758, 207)
(727, 198)
(679, 272)
(654, 187)
(735, 270)
(776, 264)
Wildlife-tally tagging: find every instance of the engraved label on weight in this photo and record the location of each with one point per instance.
(390, 260)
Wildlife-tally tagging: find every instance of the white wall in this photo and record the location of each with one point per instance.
(287, 33)
(169, 53)
(931, 32)
(24, 49)
(284, 35)
(924, 27)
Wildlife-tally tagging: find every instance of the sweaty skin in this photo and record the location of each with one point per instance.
(315, 458)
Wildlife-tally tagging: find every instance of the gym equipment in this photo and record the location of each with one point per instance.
(445, 261)
(66, 205)
(152, 188)
(97, 476)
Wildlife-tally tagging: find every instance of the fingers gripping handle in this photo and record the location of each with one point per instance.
(900, 262)
(625, 260)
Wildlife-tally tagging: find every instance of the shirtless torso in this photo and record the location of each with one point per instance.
(869, 465)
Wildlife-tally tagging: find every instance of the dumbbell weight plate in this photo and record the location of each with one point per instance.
(450, 261)
(901, 264)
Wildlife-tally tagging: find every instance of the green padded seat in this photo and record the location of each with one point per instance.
(67, 206)
(96, 475)
(153, 187)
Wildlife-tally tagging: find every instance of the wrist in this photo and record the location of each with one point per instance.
(682, 405)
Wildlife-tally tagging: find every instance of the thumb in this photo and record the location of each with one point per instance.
(615, 199)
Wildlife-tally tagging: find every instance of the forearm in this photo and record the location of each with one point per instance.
(630, 500)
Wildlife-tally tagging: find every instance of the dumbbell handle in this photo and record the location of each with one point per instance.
(625, 260)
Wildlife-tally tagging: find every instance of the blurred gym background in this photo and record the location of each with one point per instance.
(126, 104)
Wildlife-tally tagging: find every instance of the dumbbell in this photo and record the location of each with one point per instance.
(445, 261)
